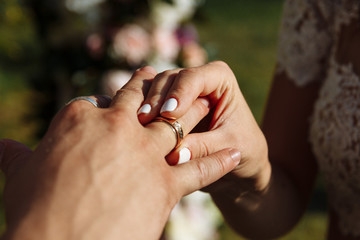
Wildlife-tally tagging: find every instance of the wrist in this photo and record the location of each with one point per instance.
(247, 191)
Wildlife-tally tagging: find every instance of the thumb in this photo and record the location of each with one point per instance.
(199, 173)
(12, 155)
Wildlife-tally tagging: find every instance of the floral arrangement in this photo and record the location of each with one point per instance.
(155, 32)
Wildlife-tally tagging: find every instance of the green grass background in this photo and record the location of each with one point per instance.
(242, 33)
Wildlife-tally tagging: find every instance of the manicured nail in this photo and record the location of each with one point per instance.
(146, 108)
(169, 106)
(184, 155)
(235, 155)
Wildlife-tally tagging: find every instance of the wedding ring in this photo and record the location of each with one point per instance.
(90, 100)
(175, 127)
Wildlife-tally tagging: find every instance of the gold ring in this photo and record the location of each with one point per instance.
(175, 127)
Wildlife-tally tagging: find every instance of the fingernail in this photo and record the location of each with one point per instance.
(184, 155)
(169, 106)
(205, 101)
(235, 155)
(146, 108)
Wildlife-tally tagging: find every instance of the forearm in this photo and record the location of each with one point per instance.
(86, 213)
(127, 223)
(262, 215)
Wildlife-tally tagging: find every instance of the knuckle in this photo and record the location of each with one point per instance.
(204, 149)
(143, 73)
(160, 76)
(165, 74)
(170, 72)
(129, 90)
(188, 72)
(69, 118)
(225, 68)
(117, 118)
(73, 111)
(203, 172)
(220, 164)
(221, 64)
(188, 79)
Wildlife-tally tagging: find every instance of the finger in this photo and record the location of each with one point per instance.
(132, 94)
(201, 172)
(212, 80)
(82, 105)
(163, 135)
(104, 101)
(197, 145)
(90, 102)
(156, 95)
(12, 155)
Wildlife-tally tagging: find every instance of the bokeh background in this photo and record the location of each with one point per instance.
(52, 50)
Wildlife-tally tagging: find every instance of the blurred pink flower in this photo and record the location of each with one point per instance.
(193, 55)
(95, 45)
(165, 44)
(186, 34)
(114, 80)
(132, 43)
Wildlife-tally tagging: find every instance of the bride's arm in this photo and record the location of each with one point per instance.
(273, 212)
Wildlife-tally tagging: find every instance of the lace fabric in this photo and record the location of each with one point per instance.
(307, 52)
(304, 41)
(335, 136)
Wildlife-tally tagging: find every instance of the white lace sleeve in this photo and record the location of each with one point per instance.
(304, 40)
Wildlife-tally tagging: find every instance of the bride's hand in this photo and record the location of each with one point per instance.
(231, 122)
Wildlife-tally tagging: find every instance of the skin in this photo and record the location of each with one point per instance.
(99, 174)
(270, 188)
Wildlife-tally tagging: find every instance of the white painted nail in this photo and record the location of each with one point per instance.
(184, 155)
(146, 108)
(170, 105)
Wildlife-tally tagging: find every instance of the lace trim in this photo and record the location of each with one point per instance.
(346, 10)
(306, 52)
(335, 135)
(305, 40)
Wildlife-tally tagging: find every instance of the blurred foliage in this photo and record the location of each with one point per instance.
(18, 43)
(244, 33)
(19, 53)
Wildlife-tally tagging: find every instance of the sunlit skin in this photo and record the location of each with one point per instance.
(99, 174)
(267, 191)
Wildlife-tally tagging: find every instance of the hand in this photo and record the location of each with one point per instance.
(99, 174)
(231, 124)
